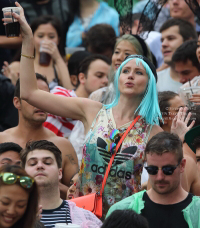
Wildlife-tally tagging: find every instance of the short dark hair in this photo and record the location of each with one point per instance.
(41, 145)
(187, 51)
(85, 64)
(100, 38)
(74, 61)
(29, 217)
(186, 29)
(17, 87)
(165, 142)
(10, 146)
(125, 219)
(163, 99)
(55, 22)
(196, 142)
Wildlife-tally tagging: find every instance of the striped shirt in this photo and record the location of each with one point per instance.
(59, 125)
(57, 215)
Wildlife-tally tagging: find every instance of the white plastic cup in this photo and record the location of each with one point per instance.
(64, 225)
(12, 26)
(186, 94)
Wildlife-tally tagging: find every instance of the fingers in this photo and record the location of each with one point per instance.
(39, 213)
(48, 44)
(195, 98)
(191, 125)
(21, 10)
(196, 95)
(184, 113)
(6, 69)
(49, 47)
(188, 118)
(174, 121)
(179, 114)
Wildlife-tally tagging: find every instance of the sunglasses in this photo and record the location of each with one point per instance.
(167, 170)
(115, 136)
(11, 178)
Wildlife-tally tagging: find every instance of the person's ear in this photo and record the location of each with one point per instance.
(74, 80)
(17, 103)
(60, 173)
(82, 78)
(182, 165)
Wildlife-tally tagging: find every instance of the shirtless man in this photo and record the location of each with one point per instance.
(30, 128)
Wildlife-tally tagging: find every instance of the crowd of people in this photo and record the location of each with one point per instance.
(103, 93)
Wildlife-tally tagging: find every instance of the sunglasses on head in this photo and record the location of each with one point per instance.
(167, 170)
(11, 178)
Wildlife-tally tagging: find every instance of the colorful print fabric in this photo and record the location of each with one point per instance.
(125, 176)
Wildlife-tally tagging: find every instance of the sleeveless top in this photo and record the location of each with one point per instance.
(125, 175)
(55, 81)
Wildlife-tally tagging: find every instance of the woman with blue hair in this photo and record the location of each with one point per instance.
(136, 95)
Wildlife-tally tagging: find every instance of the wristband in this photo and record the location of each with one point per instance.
(27, 56)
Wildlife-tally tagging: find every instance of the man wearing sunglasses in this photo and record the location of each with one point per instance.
(166, 204)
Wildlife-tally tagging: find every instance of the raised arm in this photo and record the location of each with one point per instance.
(77, 108)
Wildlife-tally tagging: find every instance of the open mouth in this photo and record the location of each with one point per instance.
(117, 66)
(8, 219)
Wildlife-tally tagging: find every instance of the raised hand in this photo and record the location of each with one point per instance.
(25, 28)
(180, 122)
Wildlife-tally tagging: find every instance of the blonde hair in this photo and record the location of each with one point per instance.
(136, 44)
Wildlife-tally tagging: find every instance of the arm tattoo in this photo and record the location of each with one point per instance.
(71, 159)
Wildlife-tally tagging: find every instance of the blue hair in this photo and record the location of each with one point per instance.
(149, 108)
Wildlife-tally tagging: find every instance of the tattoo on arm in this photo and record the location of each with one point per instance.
(71, 159)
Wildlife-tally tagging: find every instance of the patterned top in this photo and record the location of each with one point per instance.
(125, 174)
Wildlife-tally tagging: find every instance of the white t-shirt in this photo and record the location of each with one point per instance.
(166, 83)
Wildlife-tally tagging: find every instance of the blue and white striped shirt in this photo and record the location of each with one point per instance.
(57, 215)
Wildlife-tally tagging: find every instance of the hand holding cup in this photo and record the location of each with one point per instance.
(25, 28)
(49, 47)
